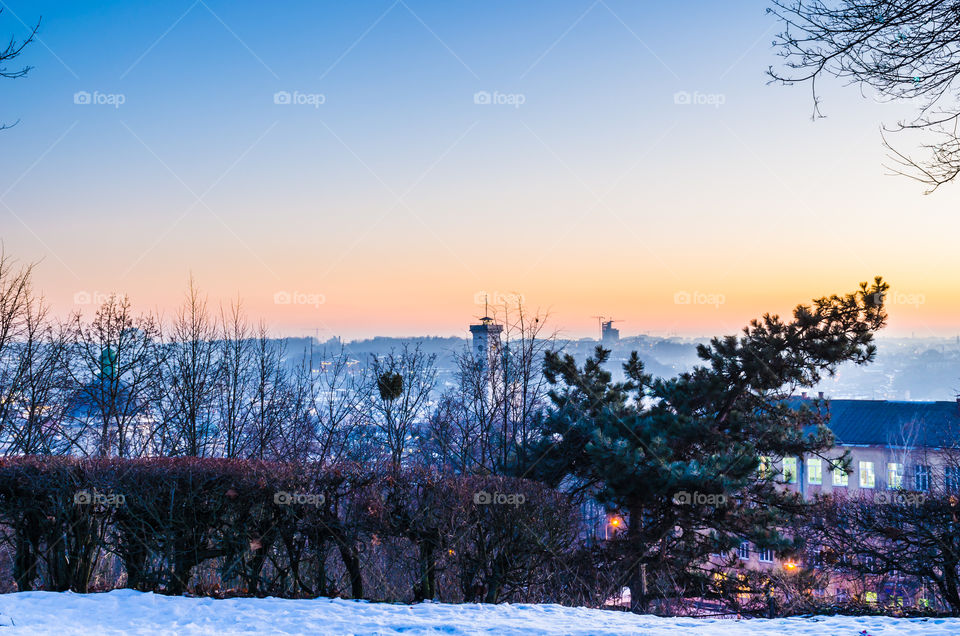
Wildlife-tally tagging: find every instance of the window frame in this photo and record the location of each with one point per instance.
(865, 469)
(794, 476)
(743, 551)
(818, 463)
(841, 478)
(951, 479)
(895, 475)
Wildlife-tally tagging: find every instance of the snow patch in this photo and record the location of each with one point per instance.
(129, 612)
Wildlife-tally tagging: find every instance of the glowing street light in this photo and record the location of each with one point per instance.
(614, 523)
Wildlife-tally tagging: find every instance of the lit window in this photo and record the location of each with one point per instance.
(765, 555)
(952, 479)
(814, 470)
(870, 597)
(790, 470)
(921, 477)
(867, 477)
(816, 557)
(766, 466)
(894, 476)
(840, 477)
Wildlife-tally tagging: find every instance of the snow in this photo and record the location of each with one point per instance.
(129, 612)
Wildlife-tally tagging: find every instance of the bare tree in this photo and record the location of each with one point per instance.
(902, 49)
(15, 299)
(396, 396)
(522, 387)
(10, 52)
(330, 390)
(43, 387)
(486, 422)
(235, 380)
(117, 360)
(450, 439)
(190, 377)
(906, 539)
(270, 398)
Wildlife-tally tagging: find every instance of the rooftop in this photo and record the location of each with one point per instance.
(883, 422)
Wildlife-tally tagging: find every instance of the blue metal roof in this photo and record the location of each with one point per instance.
(883, 423)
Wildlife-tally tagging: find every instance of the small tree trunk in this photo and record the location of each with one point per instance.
(637, 577)
(25, 559)
(426, 587)
(351, 561)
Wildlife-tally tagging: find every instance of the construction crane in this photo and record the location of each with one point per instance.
(599, 324)
(606, 322)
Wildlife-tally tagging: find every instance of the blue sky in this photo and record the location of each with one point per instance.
(398, 199)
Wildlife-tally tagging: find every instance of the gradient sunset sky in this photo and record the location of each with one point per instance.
(393, 205)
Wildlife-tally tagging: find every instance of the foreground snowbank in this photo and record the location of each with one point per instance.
(127, 612)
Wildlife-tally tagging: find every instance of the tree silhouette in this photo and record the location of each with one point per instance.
(901, 49)
(12, 51)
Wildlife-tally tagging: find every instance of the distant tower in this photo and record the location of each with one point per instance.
(483, 334)
(609, 335)
(108, 364)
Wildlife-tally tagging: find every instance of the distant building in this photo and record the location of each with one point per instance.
(895, 447)
(889, 443)
(93, 410)
(486, 338)
(609, 335)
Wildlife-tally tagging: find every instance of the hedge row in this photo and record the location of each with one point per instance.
(237, 527)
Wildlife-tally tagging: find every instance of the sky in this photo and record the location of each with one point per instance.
(380, 167)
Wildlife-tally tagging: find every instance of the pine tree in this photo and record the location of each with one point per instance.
(689, 462)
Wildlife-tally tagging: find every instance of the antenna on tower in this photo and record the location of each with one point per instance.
(486, 319)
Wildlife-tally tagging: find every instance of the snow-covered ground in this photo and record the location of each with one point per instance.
(127, 612)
